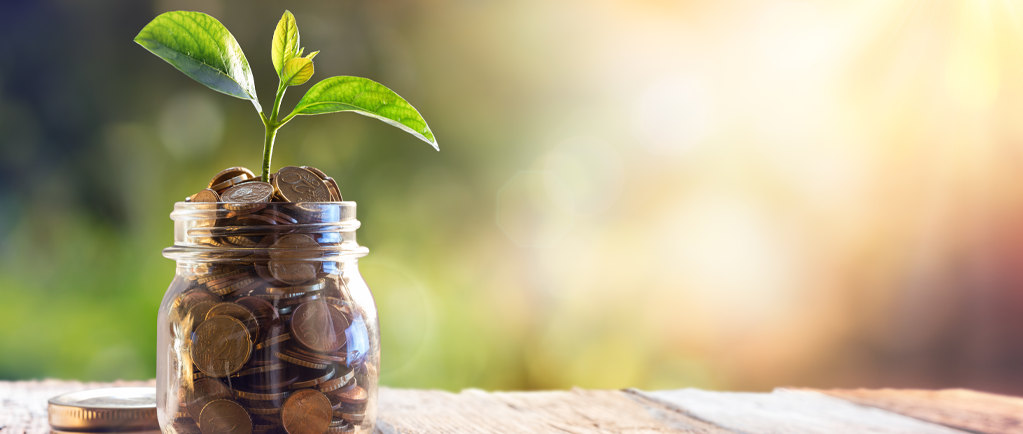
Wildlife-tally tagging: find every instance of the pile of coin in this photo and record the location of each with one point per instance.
(289, 184)
(271, 342)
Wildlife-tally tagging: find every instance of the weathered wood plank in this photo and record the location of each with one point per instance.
(965, 409)
(576, 411)
(23, 410)
(791, 411)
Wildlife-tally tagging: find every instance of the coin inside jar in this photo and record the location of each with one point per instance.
(286, 264)
(318, 326)
(202, 392)
(224, 417)
(306, 411)
(220, 346)
(237, 311)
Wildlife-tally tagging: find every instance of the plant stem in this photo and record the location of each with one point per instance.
(271, 126)
(268, 149)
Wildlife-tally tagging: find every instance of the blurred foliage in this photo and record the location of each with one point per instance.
(654, 194)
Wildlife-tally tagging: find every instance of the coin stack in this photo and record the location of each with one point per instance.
(270, 341)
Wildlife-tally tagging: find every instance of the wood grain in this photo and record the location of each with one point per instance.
(960, 408)
(791, 411)
(577, 411)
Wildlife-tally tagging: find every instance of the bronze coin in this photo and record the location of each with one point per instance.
(254, 396)
(249, 192)
(230, 172)
(335, 191)
(300, 289)
(259, 369)
(204, 391)
(354, 418)
(221, 186)
(319, 173)
(347, 428)
(273, 383)
(264, 311)
(221, 274)
(206, 195)
(294, 246)
(224, 417)
(356, 395)
(337, 383)
(295, 184)
(312, 382)
(217, 282)
(292, 272)
(278, 216)
(296, 361)
(247, 283)
(318, 326)
(319, 357)
(221, 346)
(306, 411)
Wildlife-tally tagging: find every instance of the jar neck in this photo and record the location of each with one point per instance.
(229, 232)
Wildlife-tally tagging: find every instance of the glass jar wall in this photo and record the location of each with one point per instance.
(267, 327)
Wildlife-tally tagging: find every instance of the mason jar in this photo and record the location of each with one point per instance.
(267, 327)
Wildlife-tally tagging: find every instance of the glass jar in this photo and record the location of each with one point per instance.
(267, 327)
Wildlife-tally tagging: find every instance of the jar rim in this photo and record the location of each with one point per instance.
(227, 231)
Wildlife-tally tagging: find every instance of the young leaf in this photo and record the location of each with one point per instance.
(297, 71)
(365, 97)
(201, 47)
(285, 44)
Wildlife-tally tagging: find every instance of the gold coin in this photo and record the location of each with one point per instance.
(249, 192)
(306, 411)
(296, 184)
(229, 173)
(298, 362)
(224, 417)
(261, 396)
(221, 346)
(237, 311)
(202, 392)
(259, 369)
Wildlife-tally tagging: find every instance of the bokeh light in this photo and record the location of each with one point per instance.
(653, 194)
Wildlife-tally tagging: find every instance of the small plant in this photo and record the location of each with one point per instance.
(202, 48)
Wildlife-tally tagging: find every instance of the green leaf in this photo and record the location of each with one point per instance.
(285, 44)
(201, 47)
(365, 97)
(297, 71)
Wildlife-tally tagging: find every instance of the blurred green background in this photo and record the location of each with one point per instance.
(646, 193)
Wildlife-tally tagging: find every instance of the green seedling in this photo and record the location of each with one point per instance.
(202, 48)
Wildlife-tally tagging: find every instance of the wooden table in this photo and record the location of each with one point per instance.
(784, 411)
